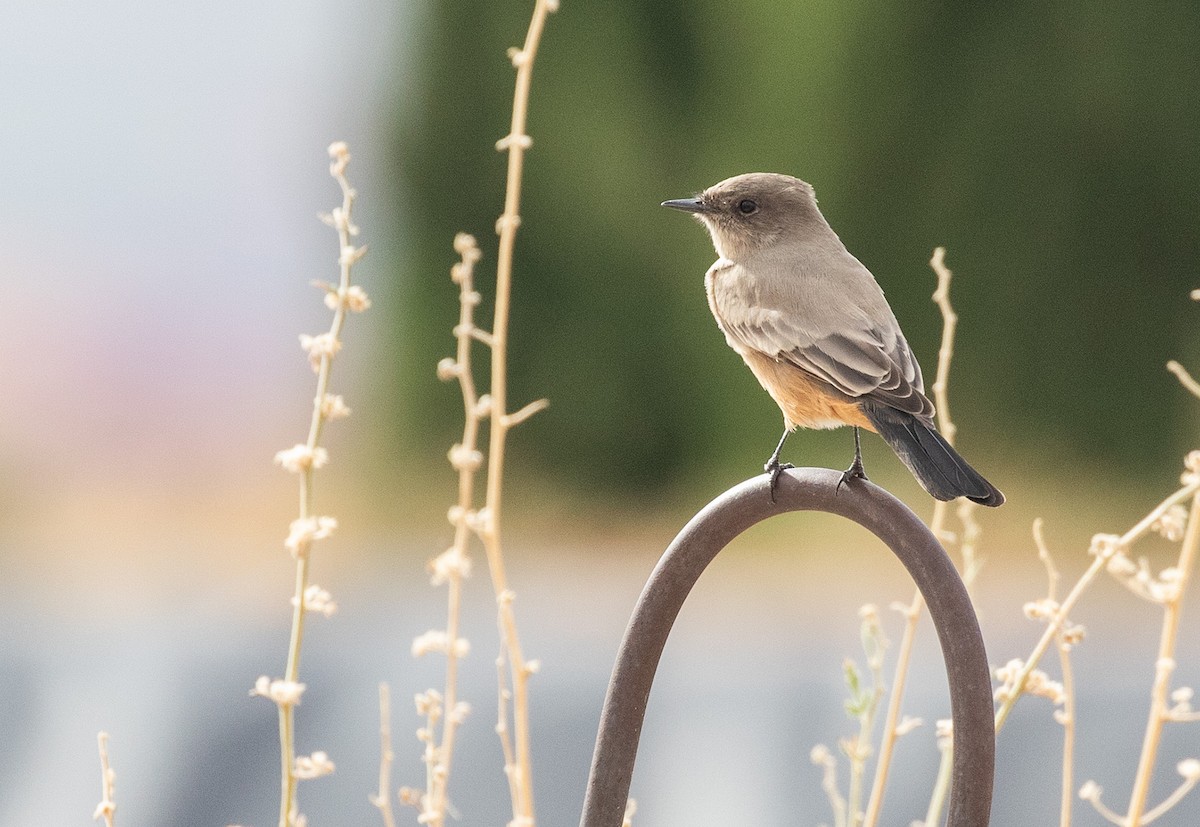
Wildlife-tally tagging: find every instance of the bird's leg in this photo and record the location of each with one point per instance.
(856, 470)
(773, 466)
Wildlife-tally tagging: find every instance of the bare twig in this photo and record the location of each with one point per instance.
(383, 798)
(1185, 378)
(863, 705)
(1160, 711)
(107, 808)
(302, 459)
(1090, 792)
(1104, 547)
(941, 382)
(823, 758)
(503, 731)
(941, 785)
(454, 564)
(1065, 716)
(515, 143)
(1190, 770)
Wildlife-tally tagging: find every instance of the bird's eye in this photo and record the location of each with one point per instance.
(747, 207)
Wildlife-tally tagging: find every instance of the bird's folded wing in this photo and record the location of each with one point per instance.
(860, 359)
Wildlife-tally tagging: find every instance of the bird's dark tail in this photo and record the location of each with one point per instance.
(935, 464)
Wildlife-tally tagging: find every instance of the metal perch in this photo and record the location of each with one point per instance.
(739, 508)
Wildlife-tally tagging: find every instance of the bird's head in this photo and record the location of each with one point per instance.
(750, 212)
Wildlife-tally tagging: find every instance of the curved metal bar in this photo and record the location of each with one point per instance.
(739, 508)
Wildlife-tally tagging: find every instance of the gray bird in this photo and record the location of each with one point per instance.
(812, 324)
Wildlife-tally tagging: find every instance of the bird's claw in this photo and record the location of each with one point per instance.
(854, 472)
(775, 468)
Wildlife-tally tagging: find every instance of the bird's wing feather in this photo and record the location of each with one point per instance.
(854, 344)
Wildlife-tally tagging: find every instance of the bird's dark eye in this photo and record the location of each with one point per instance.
(747, 207)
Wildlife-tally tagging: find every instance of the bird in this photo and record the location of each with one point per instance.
(812, 324)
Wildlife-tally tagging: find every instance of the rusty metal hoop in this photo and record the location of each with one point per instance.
(718, 523)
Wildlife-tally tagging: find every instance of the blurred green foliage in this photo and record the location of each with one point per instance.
(1051, 147)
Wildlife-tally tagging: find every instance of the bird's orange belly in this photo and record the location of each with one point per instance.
(806, 402)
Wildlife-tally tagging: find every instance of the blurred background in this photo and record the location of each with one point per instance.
(163, 169)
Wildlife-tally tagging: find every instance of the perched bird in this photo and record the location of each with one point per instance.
(812, 324)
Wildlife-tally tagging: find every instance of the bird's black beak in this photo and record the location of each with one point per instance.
(688, 205)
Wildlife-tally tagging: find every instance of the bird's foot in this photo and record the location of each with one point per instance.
(854, 472)
(774, 467)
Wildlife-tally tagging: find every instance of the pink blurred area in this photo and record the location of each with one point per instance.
(158, 204)
(163, 170)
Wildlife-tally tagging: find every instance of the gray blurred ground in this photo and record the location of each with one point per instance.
(750, 682)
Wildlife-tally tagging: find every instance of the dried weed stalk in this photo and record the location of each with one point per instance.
(863, 704)
(1062, 694)
(303, 459)
(518, 765)
(107, 808)
(383, 798)
(442, 710)
(453, 565)
(1111, 553)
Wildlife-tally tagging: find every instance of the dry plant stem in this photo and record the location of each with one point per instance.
(383, 799)
(437, 778)
(1165, 665)
(912, 615)
(859, 750)
(858, 762)
(1170, 801)
(887, 744)
(941, 786)
(968, 538)
(515, 143)
(503, 699)
(1185, 378)
(1067, 719)
(346, 260)
(858, 759)
(829, 784)
(1054, 626)
(941, 382)
(107, 808)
